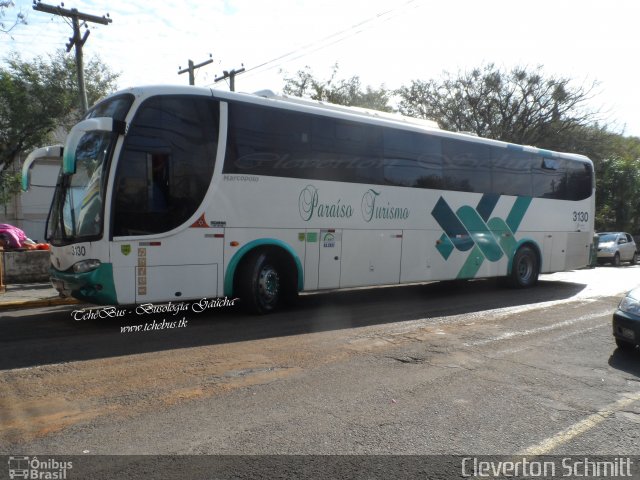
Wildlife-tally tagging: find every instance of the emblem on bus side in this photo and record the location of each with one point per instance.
(475, 229)
(125, 249)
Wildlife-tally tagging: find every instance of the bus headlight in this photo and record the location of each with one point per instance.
(86, 266)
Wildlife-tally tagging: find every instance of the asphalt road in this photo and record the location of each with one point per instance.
(443, 368)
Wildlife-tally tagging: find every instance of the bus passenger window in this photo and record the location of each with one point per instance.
(549, 178)
(412, 160)
(159, 191)
(511, 172)
(466, 166)
(166, 164)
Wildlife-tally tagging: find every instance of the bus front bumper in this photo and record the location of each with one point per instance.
(96, 286)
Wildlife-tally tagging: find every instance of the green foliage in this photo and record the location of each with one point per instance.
(618, 186)
(520, 106)
(39, 96)
(347, 92)
(9, 186)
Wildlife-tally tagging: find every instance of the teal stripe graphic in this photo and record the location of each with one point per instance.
(502, 233)
(480, 233)
(472, 265)
(517, 212)
(471, 229)
(486, 205)
(452, 225)
(444, 246)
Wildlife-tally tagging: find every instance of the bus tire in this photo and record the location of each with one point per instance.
(264, 281)
(525, 268)
(259, 283)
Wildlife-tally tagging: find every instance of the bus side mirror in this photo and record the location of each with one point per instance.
(103, 124)
(53, 152)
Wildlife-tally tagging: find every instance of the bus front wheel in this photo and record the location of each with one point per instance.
(525, 268)
(260, 282)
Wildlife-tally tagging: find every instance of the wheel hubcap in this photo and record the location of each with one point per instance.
(525, 268)
(268, 284)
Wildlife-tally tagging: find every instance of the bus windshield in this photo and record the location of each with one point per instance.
(77, 209)
(78, 204)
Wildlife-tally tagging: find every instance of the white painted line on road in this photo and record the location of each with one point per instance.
(510, 351)
(581, 427)
(407, 326)
(533, 331)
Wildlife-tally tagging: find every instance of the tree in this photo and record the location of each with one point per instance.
(347, 92)
(20, 18)
(39, 96)
(9, 186)
(518, 106)
(618, 186)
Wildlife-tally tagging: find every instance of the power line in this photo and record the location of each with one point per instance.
(75, 17)
(231, 75)
(192, 68)
(348, 32)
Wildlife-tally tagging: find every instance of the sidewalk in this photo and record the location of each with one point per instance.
(32, 295)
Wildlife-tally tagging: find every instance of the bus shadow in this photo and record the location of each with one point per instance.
(55, 337)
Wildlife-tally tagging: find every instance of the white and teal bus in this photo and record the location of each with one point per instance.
(181, 193)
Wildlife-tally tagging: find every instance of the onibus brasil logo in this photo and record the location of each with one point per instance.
(34, 468)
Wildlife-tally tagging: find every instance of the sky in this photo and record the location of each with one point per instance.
(384, 42)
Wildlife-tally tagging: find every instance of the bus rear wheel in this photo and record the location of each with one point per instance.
(260, 283)
(524, 268)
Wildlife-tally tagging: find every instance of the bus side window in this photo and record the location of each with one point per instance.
(166, 164)
(579, 180)
(466, 166)
(264, 141)
(412, 160)
(549, 178)
(345, 151)
(511, 172)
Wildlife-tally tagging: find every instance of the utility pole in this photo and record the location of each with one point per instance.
(76, 40)
(192, 68)
(231, 76)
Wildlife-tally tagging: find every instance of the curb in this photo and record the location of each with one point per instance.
(40, 302)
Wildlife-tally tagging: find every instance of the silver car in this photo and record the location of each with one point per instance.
(616, 247)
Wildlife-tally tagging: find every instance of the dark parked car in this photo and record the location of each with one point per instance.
(626, 321)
